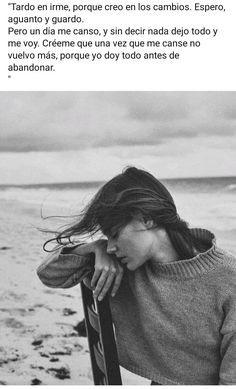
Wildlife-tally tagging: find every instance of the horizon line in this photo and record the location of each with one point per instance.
(100, 182)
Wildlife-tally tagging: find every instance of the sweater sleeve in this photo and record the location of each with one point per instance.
(63, 269)
(228, 345)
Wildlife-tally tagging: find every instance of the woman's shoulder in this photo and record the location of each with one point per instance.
(225, 274)
(229, 256)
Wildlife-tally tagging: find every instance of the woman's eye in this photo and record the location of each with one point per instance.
(114, 235)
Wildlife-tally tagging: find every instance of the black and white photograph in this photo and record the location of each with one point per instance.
(118, 238)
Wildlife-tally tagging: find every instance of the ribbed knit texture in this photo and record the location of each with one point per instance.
(176, 322)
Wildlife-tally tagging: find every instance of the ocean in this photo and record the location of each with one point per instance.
(203, 202)
(39, 341)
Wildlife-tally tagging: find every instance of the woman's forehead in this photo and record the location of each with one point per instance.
(117, 225)
(113, 226)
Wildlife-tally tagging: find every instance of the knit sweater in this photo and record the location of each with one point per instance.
(175, 323)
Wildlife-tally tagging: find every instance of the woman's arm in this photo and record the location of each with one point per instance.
(228, 364)
(65, 268)
(70, 265)
(227, 374)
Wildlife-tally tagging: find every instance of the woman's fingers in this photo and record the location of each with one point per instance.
(117, 282)
(101, 281)
(107, 275)
(107, 284)
(97, 273)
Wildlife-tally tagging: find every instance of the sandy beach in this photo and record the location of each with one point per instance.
(40, 343)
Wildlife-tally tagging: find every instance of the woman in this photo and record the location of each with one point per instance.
(173, 291)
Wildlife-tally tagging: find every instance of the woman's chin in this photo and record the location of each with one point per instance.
(130, 266)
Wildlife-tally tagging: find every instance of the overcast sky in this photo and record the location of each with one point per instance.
(74, 136)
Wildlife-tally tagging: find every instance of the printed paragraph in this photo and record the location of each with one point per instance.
(44, 36)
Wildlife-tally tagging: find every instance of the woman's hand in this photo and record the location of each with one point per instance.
(108, 272)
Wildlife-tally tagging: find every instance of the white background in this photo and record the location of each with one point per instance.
(212, 67)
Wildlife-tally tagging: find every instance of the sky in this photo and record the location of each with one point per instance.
(83, 136)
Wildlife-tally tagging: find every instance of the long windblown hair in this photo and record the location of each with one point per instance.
(131, 193)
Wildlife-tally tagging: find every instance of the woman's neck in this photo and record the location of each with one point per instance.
(162, 249)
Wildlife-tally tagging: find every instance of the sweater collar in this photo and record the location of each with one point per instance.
(199, 264)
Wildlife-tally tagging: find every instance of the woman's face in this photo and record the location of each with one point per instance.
(133, 245)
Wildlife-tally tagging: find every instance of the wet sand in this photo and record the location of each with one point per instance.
(40, 343)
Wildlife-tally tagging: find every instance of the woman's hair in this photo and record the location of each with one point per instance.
(132, 193)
